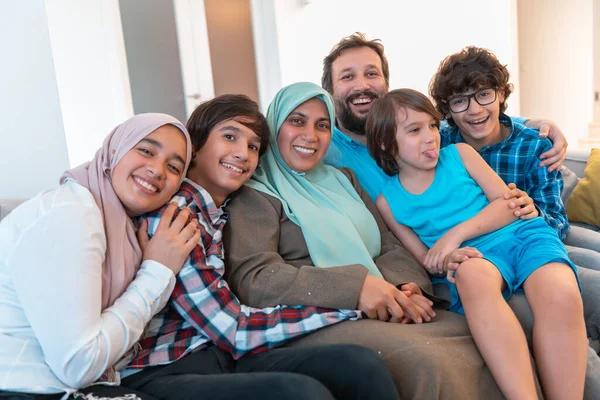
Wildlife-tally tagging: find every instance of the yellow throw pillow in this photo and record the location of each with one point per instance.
(584, 203)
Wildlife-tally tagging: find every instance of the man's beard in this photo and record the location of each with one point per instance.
(350, 121)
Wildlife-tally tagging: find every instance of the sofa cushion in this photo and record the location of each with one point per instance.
(570, 180)
(584, 203)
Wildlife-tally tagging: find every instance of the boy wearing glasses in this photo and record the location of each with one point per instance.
(470, 89)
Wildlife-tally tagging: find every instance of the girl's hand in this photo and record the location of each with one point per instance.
(173, 241)
(434, 261)
(457, 257)
(521, 202)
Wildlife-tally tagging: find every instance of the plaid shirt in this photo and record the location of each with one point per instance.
(516, 160)
(202, 308)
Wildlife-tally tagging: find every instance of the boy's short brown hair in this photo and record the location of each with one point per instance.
(471, 68)
(382, 124)
(222, 108)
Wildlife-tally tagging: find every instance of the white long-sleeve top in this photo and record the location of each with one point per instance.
(53, 335)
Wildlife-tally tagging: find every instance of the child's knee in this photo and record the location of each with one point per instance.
(475, 277)
(565, 299)
(559, 299)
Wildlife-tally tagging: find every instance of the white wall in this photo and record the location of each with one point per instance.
(556, 56)
(91, 71)
(417, 35)
(33, 150)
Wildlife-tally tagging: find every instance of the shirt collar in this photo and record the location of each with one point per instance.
(204, 200)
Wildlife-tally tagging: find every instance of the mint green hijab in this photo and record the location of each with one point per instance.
(338, 228)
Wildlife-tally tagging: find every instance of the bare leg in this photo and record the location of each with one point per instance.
(495, 328)
(559, 336)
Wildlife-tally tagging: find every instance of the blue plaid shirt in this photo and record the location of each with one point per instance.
(516, 159)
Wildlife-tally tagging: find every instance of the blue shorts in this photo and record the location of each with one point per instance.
(517, 253)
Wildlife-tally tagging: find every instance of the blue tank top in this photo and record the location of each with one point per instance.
(452, 198)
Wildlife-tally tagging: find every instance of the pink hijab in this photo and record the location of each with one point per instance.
(123, 253)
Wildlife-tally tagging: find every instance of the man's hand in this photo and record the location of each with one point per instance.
(457, 257)
(521, 202)
(434, 260)
(381, 300)
(554, 157)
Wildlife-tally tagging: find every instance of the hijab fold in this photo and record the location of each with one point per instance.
(123, 253)
(336, 225)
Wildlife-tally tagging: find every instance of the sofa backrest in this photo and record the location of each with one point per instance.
(7, 205)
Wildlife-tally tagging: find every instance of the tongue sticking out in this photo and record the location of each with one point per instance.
(431, 153)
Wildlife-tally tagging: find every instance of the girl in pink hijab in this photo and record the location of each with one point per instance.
(79, 280)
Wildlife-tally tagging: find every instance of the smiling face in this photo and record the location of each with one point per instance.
(305, 135)
(148, 175)
(418, 140)
(358, 80)
(227, 160)
(480, 125)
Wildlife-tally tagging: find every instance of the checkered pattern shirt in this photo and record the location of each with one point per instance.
(202, 308)
(516, 159)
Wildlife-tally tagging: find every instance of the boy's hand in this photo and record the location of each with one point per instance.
(457, 257)
(434, 260)
(521, 202)
(554, 157)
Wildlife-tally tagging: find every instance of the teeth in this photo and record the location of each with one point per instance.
(145, 184)
(361, 100)
(479, 122)
(304, 150)
(232, 167)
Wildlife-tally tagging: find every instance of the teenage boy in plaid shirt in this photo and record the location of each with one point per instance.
(204, 331)
(470, 89)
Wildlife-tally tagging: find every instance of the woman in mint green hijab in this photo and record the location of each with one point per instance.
(336, 225)
(320, 217)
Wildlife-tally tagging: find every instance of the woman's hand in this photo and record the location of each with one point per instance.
(381, 300)
(423, 304)
(521, 202)
(457, 257)
(434, 260)
(173, 241)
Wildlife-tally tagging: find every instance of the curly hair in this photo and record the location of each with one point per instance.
(382, 126)
(222, 108)
(469, 69)
(353, 41)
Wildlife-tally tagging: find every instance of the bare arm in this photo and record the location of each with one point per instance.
(498, 213)
(406, 235)
(493, 217)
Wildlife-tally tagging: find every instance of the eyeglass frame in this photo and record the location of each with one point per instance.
(469, 97)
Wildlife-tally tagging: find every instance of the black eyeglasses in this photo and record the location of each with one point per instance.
(461, 102)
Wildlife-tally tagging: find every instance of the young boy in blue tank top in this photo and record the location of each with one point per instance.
(444, 200)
